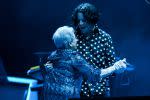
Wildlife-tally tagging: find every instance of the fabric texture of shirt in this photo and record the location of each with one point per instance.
(98, 50)
(64, 79)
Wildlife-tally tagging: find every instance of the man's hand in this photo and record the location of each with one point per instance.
(49, 65)
(120, 66)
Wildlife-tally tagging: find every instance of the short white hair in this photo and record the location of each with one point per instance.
(63, 36)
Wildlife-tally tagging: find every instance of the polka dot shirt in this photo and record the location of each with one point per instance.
(98, 50)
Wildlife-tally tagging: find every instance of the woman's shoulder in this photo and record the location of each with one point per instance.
(65, 53)
(53, 55)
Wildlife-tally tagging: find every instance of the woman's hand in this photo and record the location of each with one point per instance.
(120, 66)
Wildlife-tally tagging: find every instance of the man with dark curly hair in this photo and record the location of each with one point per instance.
(95, 45)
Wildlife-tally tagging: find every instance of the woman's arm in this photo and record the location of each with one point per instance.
(92, 74)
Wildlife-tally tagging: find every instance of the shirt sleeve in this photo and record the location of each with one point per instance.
(87, 71)
(110, 51)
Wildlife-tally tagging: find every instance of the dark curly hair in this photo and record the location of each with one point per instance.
(89, 11)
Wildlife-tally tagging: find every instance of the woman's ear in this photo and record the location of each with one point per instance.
(66, 44)
(70, 44)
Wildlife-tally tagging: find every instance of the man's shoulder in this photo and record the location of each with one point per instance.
(104, 34)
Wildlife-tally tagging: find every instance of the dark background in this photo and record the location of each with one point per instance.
(26, 27)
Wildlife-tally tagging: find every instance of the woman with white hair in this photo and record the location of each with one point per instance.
(64, 38)
(63, 79)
